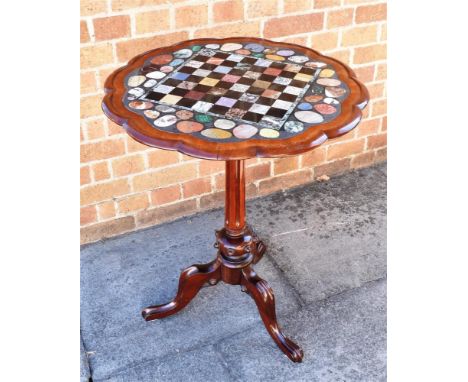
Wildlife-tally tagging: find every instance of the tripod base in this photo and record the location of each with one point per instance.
(233, 265)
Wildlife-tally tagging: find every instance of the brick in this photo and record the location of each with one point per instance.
(213, 200)
(343, 55)
(381, 155)
(152, 21)
(376, 90)
(110, 228)
(166, 213)
(133, 203)
(314, 157)
(282, 182)
(95, 129)
(191, 15)
(333, 168)
(342, 150)
(326, 3)
(283, 26)
(164, 177)
(220, 181)
(104, 191)
(376, 141)
(161, 158)
(129, 164)
(261, 8)
(368, 127)
(165, 195)
(381, 72)
(100, 171)
(230, 30)
(228, 11)
(251, 190)
(85, 175)
(325, 41)
(128, 49)
(108, 28)
(379, 107)
(340, 18)
(87, 215)
(135, 146)
(369, 13)
(365, 73)
(114, 129)
(84, 34)
(287, 164)
(95, 55)
(90, 106)
(82, 138)
(370, 53)
(297, 5)
(260, 171)
(102, 76)
(208, 167)
(88, 82)
(92, 7)
(106, 210)
(122, 5)
(384, 124)
(299, 40)
(196, 187)
(383, 32)
(354, 2)
(363, 160)
(102, 150)
(359, 35)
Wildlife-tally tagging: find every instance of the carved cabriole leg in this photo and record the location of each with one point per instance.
(263, 296)
(190, 282)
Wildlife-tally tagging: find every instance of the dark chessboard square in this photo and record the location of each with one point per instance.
(257, 69)
(246, 81)
(193, 94)
(265, 101)
(309, 71)
(249, 60)
(202, 88)
(277, 65)
(266, 77)
(208, 66)
(217, 109)
(216, 76)
(211, 98)
(255, 90)
(297, 84)
(172, 82)
(288, 74)
(243, 105)
(187, 102)
(224, 85)
(287, 97)
(278, 113)
(231, 64)
(253, 117)
(237, 72)
(195, 79)
(233, 94)
(277, 87)
(187, 69)
(221, 55)
(217, 91)
(179, 92)
(154, 96)
(202, 57)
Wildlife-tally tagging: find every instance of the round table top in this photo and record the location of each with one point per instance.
(234, 98)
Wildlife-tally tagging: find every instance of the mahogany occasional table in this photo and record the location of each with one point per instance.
(233, 99)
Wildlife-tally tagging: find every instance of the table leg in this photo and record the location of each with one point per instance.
(238, 248)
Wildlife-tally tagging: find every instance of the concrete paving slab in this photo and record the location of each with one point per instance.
(343, 338)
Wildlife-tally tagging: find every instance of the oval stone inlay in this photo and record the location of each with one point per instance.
(136, 92)
(308, 116)
(189, 127)
(299, 59)
(153, 114)
(244, 52)
(269, 133)
(150, 83)
(166, 69)
(224, 124)
(212, 46)
(328, 81)
(326, 73)
(293, 126)
(184, 114)
(257, 48)
(315, 64)
(324, 108)
(140, 105)
(274, 57)
(285, 52)
(331, 101)
(163, 59)
(164, 109)
(230, 46)
(245, 131)
(304, 106)
(157, 75)
(334, 92)
(313, 98)
(183, 53)
(136, 80)
(203, 118)
(216, 133)
(176, 62)
(166, 120)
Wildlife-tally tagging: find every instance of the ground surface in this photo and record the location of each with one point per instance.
(326, 262)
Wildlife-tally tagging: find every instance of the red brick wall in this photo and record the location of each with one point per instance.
(126, 186)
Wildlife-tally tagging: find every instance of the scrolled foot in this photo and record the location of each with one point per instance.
(263, 296)
(191, 281)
